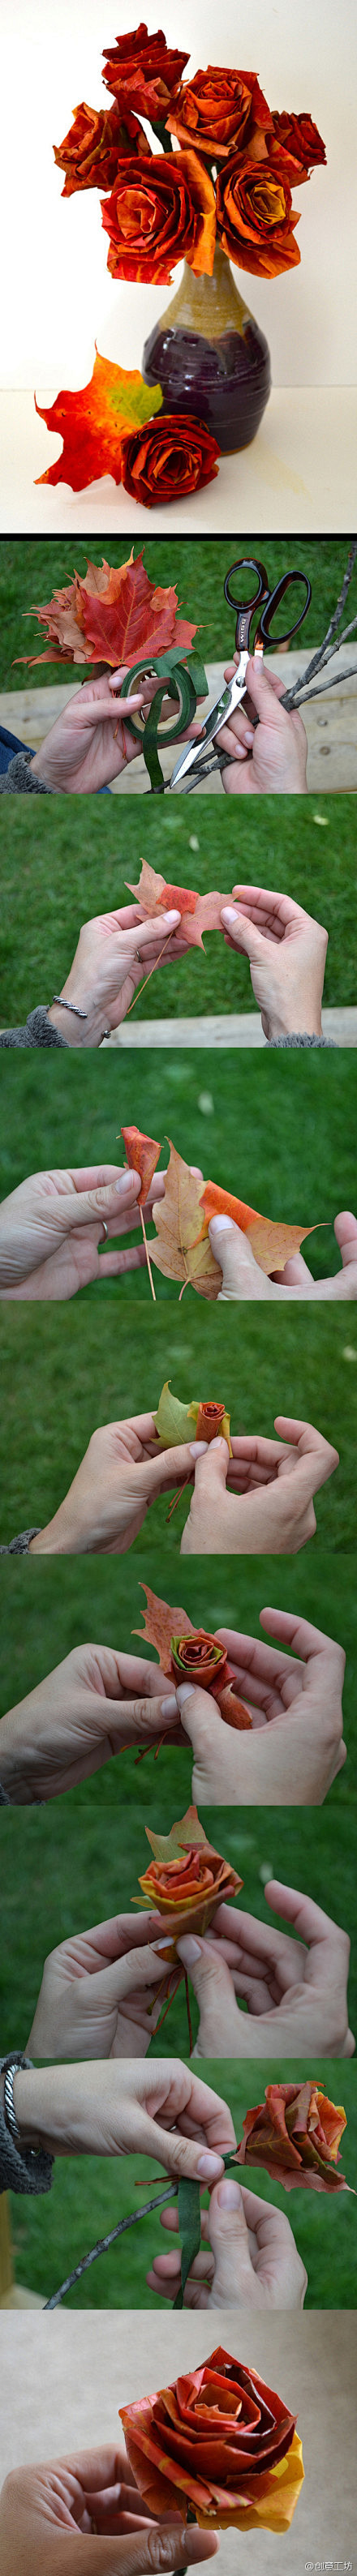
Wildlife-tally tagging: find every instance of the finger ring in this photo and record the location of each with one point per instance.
(105, 1229)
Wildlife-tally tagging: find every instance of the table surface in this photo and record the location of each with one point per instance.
(298, 477)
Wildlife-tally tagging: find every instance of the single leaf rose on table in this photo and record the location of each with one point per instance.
(295, 2134)
(219, 2446)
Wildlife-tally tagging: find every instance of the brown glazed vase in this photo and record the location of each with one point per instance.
(210, 357)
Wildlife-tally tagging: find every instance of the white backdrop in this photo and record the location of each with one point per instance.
(56, 294)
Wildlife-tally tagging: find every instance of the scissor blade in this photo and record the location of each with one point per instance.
(229, 698)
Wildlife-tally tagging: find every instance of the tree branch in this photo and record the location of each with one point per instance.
(104, 2242)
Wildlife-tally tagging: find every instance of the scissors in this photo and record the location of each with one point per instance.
(200, 758)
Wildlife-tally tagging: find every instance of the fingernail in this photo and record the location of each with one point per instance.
(188, 1949)
(227, 915)
(185, 1691)
(169, 1707)
(169, 920)
(249, 735)
(197, 1447)
(229, 2194)
(166, 1939)
(209, 2167)
(221, 1223)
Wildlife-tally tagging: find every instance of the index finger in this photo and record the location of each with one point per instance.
(307, 1642)
(267, 899)
(322, 1936)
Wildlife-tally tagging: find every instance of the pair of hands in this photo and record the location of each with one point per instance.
(45, 2510)
(49, 1241)
(91, 742)
(285, 948)
(97, 1702)
(98, 1997)
(258, 1502)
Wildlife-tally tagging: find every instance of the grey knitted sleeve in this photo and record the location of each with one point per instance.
(301, 1040)
(37, 1031)
(22, 2168)
(20, 779)
(20, 1546)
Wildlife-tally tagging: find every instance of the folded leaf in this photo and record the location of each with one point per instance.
(175, 1423)
(114, 616)
(182, 1251)
(192, 1654)
(198, 911)
(142, 1154)
(93, 422)
(272, 1243)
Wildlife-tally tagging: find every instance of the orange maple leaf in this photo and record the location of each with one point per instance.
(167, 1629)
(115, 615)
(198, 911)
(142, 1154)
(183, 1250)
(272, 1242)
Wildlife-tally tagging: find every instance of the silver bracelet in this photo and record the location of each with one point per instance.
(67, 1006)
(11, 2067)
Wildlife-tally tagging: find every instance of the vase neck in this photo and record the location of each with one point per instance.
(209, 305)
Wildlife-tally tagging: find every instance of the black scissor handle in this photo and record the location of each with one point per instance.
(273, 602)
(245, 610)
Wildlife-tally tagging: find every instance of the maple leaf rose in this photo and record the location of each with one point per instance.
(159, 213)
(216, 109)
(174, 454)
(295, 2133)
(96, 141)
(142, 71)
(255, 221)
(198, 1659)
(219, 2441)
(298, 141)
(192, 1884)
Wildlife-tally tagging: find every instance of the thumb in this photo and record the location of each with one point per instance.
(262, 692)
(141, 933)
(157, 1474)
(158, 2546)
(108, 1199)
(214, 1990)
(230, 2245)
(241, 1275)
(346, 1237)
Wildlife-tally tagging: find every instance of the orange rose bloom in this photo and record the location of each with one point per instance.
(297, 143)
(296, 2134)
(95, 143)
(216, 109)
(218, 2440)
(173, 454)
(255, 221)
(142, 72)
(159, 214)
(187, 1887)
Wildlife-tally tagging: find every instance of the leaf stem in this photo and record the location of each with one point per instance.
(153, 969)
(153, 1290)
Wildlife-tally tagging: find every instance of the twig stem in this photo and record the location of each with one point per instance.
(104, 2242)
(152, 971)
(153, 1290)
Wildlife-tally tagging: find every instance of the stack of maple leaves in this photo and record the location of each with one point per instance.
(115, 616)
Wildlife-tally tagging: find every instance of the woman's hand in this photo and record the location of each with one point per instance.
(295, 1749)
(117, 1480)
(273, 1513)
(270, 760)
(243, 1278)
(287, 956)
(44, 2511)
(90, 1708)
(91, 741)
(51, 1230)
(248, 2256)
(295, 1990)
(162, 2109)
(102, 1992)
(115, 951)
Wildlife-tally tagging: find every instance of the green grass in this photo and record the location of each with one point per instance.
(65, 1372)
(66, 860)
(279, 1131)
(32, 568)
